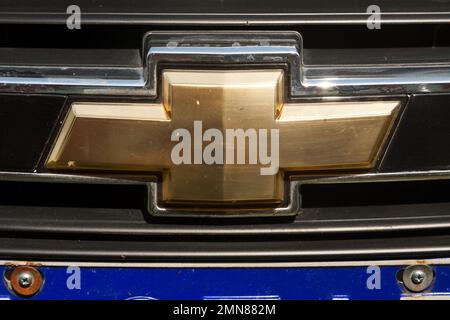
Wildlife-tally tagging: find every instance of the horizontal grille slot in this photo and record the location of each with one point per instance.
(314, 36)
(375, 194)
(64, 195)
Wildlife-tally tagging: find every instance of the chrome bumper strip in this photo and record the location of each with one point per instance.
(350, 178)
(230, 19)
(355, 263)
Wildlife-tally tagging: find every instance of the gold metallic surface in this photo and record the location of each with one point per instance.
(137, 137)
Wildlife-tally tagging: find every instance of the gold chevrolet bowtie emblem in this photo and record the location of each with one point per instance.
(137, 138)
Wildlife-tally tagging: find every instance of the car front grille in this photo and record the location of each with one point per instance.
(398, 209)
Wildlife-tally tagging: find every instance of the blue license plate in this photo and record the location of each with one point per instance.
(289, 281)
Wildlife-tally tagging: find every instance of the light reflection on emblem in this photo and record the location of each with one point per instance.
(137, 139)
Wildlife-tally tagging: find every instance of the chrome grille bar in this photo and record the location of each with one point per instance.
(422, 70)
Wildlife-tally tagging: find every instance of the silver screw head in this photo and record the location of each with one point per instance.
(25, 279)
(417, 278)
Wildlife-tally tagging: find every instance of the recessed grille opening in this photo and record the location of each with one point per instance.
(59, 36)
(389, 36)
(314, 36)
(375, 194)
(38, 194)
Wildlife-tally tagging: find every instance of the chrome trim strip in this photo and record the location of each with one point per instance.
(291, 208)
(404, 262)
(238, 49)
(233, 19)
(63, 178)
(384, 177)
(246, 55)
(350, 178)
(72, 80)
(75, 76)
(394, 79)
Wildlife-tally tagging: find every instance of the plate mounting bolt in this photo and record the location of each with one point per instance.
(25, 281)
(417, 278)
